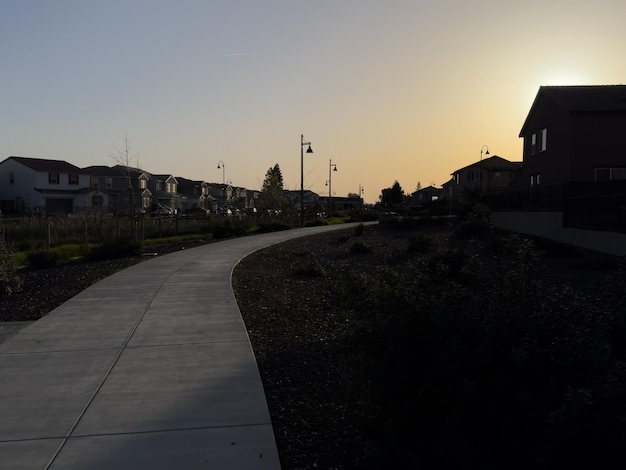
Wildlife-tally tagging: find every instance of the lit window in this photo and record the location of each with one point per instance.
(143, 183)
(533, 144)
(543, 140)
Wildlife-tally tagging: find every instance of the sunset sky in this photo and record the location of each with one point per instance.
(403, 90)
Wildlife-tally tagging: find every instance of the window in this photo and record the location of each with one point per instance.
(96, 200)
(11, 178)
(53, 178)
(473, 176)
(108, 183)
(608, 174)
(456, 178)
(532, 180)
(543, 140)
(539, 142)
(72, 179)
(497, 176)
(146, 201)
(143, 183)
(538, 178)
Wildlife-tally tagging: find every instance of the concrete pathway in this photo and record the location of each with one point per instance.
(150, 368)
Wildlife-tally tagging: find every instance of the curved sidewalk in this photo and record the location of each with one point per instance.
(149, 368)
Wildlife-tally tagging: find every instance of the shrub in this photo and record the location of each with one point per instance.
(358, 230)
(42, 259)
(359, 247)
(120, 248)
(10, 282)
(420, 243)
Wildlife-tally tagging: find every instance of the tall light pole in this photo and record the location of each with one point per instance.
(481, 170)
(331, 165)
(309, 150)
(481, 152)
(221, 165)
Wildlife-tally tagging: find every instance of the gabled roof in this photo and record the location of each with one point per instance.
(47, 166)
(585, 98)
(494, 163)
(102, 170)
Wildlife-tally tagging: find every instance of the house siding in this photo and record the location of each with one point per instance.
(599, 141)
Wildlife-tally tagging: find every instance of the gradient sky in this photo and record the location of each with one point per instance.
(389, 90)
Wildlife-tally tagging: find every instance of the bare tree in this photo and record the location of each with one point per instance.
(124, 157)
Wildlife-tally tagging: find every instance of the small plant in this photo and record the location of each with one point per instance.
(42, 259)
(420, 243)
(358, 230)
(359, 247)
(309, 267)
(121, 248)
(10, 282)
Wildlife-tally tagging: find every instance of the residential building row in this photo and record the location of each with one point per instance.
(44, 186)
(37, 185)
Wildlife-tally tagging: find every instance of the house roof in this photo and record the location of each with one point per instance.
(102, 170)
(586, 98)
(494, 163)
(48, 166)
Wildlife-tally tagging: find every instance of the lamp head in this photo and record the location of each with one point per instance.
(335, 169)
(487, 152)
(309, 150)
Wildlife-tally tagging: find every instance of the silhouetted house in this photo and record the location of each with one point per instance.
(164, 190)
(30, 185)
(194, 195)
(425, 196)
(126, 187)
(310, 199)
(575, 134)
(490, 174)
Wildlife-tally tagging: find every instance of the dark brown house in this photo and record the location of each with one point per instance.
(575, 134)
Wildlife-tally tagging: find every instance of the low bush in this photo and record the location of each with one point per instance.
(42, 259)
(120, 248)
(359, 247)
(10, 282)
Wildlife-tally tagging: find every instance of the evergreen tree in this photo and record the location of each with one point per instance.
(272, 196)
(393, 195)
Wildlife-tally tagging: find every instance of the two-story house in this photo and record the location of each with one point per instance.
(487, 175)
(194, 195)
(425, 196)
(575, 134)
(37, 185)
(126, 187)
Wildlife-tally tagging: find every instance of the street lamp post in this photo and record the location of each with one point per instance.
(309, 150)
(331, 165)
(481, 152)
(481, 170)
(221, 165)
